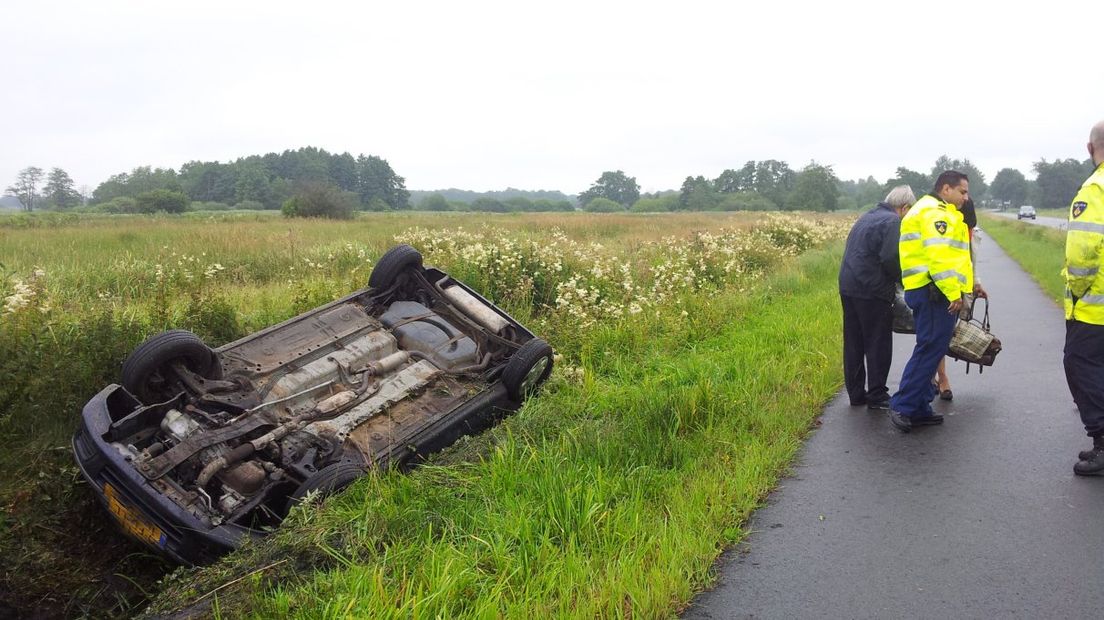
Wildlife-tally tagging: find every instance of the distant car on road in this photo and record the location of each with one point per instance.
(1026, 211)
(200, 448)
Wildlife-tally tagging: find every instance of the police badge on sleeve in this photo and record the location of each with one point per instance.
(941, 227)
(1078, 208)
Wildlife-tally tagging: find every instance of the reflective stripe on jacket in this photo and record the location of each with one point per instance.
(1084, 255)
(935, 247)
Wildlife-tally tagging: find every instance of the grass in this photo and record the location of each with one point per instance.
(607, 498)
(659, 432)
(1040, 250)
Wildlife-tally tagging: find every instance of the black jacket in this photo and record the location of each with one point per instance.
(871, 266)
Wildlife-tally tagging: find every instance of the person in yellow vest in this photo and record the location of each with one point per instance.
(1083, 356)
(935, 271)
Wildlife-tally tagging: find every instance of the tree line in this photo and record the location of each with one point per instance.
(365, 182)
(772, 185)
(313, 182)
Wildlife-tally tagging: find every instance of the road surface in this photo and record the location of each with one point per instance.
(981, 517)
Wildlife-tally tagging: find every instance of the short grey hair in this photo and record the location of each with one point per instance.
(900, 196)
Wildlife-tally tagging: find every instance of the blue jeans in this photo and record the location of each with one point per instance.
(934, 326)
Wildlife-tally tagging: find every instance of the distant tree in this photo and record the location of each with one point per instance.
(600, 204)
(165, 200)
(697, 194)
(280, 190)
(615, 186)
(978, 187)
(732, 181)
(656, 203)
(343, 171)
(1058, 181)
(59, 191)
(862, 192)
(434, 202)
(847, 203)
(141, 179)
(519, 203)
(315, 199)
(745, 201)
(253, 184)
(307, 164)
(490, 205)
(376, 180)
(209, 181)
(1010, 186)
(119, 204)
(774, 180)
(25, 186)
(816, 188)
(547, 204)
(919, 182)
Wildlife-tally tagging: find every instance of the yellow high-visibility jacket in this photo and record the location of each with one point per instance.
(1084, 237)
(935, 247)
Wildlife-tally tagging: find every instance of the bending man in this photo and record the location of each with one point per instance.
(867, 285)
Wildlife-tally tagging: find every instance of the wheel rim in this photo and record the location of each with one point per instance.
(533, 377)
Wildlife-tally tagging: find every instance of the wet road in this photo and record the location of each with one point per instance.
(979, 518)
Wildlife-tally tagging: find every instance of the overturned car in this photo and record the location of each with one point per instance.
(200, 448)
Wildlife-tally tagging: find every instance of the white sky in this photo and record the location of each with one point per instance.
(483, 95)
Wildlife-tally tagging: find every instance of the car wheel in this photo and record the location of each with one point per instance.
(148, 372)
(392, 264)
(326, 481)
(527, 369)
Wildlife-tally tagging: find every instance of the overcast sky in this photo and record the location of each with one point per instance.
(484, 95)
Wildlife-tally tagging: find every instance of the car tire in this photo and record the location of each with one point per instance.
(326, 481)
(392, 264)
(145, 370)
(527, 369)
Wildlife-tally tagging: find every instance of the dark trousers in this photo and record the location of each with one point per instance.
(1084, 362)
(867, 348)
(934, 326)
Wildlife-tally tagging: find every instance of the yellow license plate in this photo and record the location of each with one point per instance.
(132, 521)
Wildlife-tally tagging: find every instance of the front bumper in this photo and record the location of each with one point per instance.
(141, 512)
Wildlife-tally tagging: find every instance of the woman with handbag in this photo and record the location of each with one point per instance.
(942, 381)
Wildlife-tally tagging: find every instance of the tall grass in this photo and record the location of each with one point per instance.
(670, 366)
(609, 497)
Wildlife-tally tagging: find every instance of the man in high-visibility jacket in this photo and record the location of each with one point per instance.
(1084, 353)
(936, 272)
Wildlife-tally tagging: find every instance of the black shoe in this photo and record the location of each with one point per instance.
(858, 403)
(927, 420)
(879, 405)
(946, 395)
(903, 423)
(1087, 455)
(1092, 466)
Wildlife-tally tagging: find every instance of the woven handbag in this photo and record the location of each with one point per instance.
(972, 342)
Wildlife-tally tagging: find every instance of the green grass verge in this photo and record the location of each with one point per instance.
(1038, 249)
(607, 496)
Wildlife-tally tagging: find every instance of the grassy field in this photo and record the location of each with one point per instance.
(695, 352)
(1040, 250)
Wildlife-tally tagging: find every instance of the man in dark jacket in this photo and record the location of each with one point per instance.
(868, 282)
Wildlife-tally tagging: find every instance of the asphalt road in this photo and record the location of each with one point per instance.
(1051, 222)
(979, 518)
